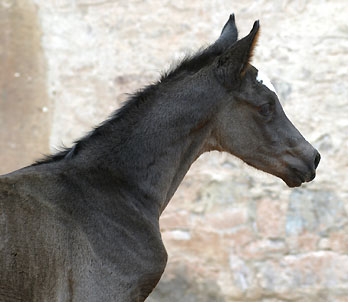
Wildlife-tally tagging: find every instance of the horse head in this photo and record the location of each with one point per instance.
(250, 122)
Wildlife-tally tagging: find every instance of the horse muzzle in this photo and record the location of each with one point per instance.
(299, 173)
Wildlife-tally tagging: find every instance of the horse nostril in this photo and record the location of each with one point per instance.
(316, 160)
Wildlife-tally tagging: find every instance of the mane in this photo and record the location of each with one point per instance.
(191, 63)
(188, 65)
(67, 153)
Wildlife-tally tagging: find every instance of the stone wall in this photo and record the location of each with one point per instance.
(232, 233)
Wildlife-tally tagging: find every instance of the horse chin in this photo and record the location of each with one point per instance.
(291, 179)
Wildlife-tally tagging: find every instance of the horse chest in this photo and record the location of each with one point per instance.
(125, 258)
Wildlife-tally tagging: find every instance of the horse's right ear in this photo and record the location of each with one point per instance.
(230, 66)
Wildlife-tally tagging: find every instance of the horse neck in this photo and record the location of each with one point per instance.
(152, 150)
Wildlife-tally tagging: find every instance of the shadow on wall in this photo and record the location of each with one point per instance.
(24, 104)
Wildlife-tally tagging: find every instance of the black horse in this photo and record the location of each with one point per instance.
(82, 225)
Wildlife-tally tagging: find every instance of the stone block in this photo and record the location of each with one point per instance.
(271, 218)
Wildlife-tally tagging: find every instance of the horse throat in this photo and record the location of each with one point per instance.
(162, 173)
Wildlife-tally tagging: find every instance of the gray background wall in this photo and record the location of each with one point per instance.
(232, 233)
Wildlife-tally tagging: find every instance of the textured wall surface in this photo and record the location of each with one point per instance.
(232, 233)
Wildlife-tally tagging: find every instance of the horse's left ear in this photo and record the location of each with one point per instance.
(228, 36)
(231, 65)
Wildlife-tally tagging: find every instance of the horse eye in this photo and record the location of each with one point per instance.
(265, 109)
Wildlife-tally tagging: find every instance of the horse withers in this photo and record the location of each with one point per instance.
(83, 224)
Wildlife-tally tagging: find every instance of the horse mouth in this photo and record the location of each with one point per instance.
(296, 177)
(293, 182)
(293, 175)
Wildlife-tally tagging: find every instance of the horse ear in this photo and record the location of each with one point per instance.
(231, 65)
(228, 36)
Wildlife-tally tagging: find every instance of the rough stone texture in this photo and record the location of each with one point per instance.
(232, 233)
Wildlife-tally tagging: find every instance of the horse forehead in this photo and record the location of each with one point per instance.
(264, 79)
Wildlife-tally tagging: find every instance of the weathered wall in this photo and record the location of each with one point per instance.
(24, 104)
(232, 233)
